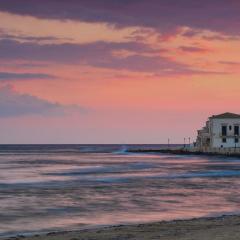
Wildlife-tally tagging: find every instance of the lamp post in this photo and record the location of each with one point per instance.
(168, 142)
(184, 142)
(189, 140)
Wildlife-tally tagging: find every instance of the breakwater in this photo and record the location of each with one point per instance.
(191, 151)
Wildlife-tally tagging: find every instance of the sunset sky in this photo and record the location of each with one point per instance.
(116, 71)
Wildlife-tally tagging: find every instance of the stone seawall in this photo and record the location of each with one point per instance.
(192, 151)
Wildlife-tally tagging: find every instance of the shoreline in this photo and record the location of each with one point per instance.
(225, 227)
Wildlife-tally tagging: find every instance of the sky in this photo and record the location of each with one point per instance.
(116, 71)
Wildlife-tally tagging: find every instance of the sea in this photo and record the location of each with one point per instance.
(45, 188)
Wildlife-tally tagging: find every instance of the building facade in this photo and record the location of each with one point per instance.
(220, 131)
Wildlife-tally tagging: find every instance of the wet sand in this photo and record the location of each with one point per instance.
(225, 227)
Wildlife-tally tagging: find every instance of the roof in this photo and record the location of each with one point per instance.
(226, 115)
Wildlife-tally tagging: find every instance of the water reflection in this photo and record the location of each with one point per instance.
(59, 190)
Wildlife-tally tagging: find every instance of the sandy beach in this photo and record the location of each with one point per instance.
(221, 228)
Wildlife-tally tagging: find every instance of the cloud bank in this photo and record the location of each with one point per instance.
(165, 15)
(14, 104)
(142, 57)
(7, 76)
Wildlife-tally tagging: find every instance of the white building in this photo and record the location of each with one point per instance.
(220, 131)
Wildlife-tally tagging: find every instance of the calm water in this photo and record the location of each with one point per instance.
(46, 188)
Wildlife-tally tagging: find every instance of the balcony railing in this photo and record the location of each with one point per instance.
(229, 135)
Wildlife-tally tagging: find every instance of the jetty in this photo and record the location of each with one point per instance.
(190, 151)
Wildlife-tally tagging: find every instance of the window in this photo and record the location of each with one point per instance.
(236, 140)
(236, 130)
(224, 130)
(224, 140)
(230, 128)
